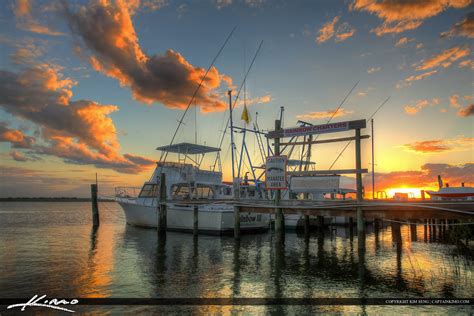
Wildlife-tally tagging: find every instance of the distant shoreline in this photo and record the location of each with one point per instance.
(50, 199)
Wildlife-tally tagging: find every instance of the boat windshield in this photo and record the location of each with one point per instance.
(148, 191)
(183, 191)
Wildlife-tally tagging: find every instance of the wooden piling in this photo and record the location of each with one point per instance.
(320, 222)
(413, 235)
(306, 227)
(196, 220)
(279, 217)
(162, 207)
(360, 215)
(236, 222)
(95, 205)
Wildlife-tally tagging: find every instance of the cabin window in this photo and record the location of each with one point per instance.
(180, 191)
(148, 190)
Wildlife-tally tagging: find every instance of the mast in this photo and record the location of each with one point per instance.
(373, 162)
(231, 132)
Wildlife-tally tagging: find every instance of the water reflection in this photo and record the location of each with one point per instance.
(117, 260)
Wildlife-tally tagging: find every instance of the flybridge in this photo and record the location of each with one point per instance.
(318, 129)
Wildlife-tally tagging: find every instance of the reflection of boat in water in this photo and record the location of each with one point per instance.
(184, 182)
(316, 188)
(452, 193)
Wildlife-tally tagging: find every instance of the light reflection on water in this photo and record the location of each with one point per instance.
(51, 248)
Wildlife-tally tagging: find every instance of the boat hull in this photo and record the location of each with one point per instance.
(212, 219)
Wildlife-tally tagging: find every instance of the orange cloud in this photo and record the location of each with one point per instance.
(343, 32)
(80, 132)
(408, 81)
(445, 58)
(25, 20)
(107, 31)
(413, 109)
(441, 145)
(15, 137)
(327, 31)
(400, 15)
(463, 28)
(466, 111)
(403, 41)
(426, 177)
(260, 100)
(324, 114)
(468, 63)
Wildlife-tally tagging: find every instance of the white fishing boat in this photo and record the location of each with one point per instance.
(185, 181)
(452, 193)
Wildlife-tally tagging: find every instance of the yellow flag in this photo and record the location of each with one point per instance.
(245, 115)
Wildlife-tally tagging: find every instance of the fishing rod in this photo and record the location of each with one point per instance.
(348, 143)
(180, 122)
(237, 98)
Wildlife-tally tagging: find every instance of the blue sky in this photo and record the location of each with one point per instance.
(292, 70)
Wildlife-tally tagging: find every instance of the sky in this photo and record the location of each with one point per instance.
(95, 86)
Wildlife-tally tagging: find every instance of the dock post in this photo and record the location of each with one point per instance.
(279, 217)
(423, 197)
(306, 227)
(95, 206)
(413, 235)
(236, 222)
(425, 230)
(162, 205)
(360, 215)
(196, 220)
(321, 222)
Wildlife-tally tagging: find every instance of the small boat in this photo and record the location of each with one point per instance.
(452, 193)
(185, 181)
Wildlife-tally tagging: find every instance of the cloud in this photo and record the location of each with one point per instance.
(20, 157)
(413, 109)
(324, 114)
(15, 137)
(401, 15)
(454, 101)
(110, 44)
(466, 111)
(25, 20)
(327, 31)
(222, 3)
(343, 32)
(441, 145)
(372, 70)
(260, 100)
(468, 63)
(463, 28)
(409, 80)
(80, 132)
(403, 41)
(425, 177)
(444, 59)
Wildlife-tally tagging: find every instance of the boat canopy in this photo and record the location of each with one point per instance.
(188, 149)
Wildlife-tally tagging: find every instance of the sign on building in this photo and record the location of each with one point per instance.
(318, 129)
(275, 173)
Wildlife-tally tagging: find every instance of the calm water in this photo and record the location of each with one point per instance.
(50, 248)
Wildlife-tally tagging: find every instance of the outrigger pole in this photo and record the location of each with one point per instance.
(229, 93)
(165, 154)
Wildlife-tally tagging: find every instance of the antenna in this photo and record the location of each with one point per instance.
(347, 145)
